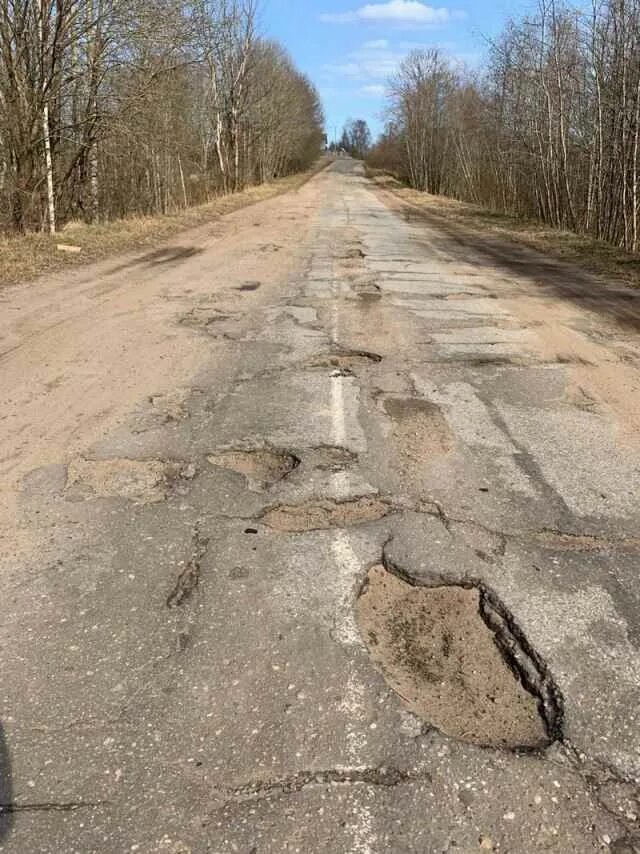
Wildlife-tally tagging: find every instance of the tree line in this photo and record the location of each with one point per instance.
(548, 129)
(355, 139)
(117, 107)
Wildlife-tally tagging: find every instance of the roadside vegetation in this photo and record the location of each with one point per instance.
(112, 109)
(24, 257)
(547, 133)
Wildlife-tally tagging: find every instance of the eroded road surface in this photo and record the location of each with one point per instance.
(320, 533)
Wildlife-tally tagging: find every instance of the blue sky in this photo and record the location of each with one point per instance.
(350, 47)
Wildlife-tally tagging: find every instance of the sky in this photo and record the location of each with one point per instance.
(349, 48)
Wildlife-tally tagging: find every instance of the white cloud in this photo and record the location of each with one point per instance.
(402, 12)
(374, 61)
(375, 90)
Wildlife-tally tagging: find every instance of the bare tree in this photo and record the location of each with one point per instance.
(356, 138)
(550, 128)
(109, 107)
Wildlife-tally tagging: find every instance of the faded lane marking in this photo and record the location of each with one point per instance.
(346, 631)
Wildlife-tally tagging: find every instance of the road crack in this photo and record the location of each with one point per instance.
(547, 538)
(384, 776)
(51, 806)
(189, 578)
(607, 785)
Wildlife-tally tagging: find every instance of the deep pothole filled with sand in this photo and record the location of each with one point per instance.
(446, 660)
(420, 430)
(324, 513)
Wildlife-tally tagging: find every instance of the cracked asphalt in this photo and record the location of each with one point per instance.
(205, 451)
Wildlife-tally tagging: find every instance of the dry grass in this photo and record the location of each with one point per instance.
(591, 255)
(28, 256)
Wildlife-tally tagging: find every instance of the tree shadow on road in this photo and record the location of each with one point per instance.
(551, 277)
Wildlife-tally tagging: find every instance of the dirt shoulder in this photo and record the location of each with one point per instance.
(86, 346)
(591, 255)
(32, 255)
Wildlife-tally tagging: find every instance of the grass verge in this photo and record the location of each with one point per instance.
(591, 255)
(28, 256)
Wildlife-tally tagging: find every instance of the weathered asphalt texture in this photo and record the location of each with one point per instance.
(182, 667)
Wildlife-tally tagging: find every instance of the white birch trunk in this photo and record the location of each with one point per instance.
(51, 204)
(184, 188)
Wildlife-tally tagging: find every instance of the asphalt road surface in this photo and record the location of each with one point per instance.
(320, 533)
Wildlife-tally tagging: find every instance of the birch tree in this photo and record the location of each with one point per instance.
(110, 108)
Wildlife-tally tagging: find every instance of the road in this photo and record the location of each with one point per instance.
(321, 533)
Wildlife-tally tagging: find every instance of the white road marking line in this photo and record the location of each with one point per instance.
(338, 417)
(347, 572)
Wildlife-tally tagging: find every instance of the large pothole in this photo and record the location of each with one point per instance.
(332, 458)
(262, 467)
(419, 428)
(140, 481)
(345, 359)
(170, 407)
(437, 650)
(366, 289)
(204, 317)
(326, 513)
(369, 298)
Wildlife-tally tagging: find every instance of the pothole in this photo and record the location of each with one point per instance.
(419, 428)
(332, 458)
(445, 655)
(345, 359)
(367, 290)
(171, 408)
(203, 317)
(369, 297)
(366, 284)
(140, 481)
(262, 467)
(326, 513)
(354, 253)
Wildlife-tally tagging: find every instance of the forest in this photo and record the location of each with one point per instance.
(110, 108)
(547, 129)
